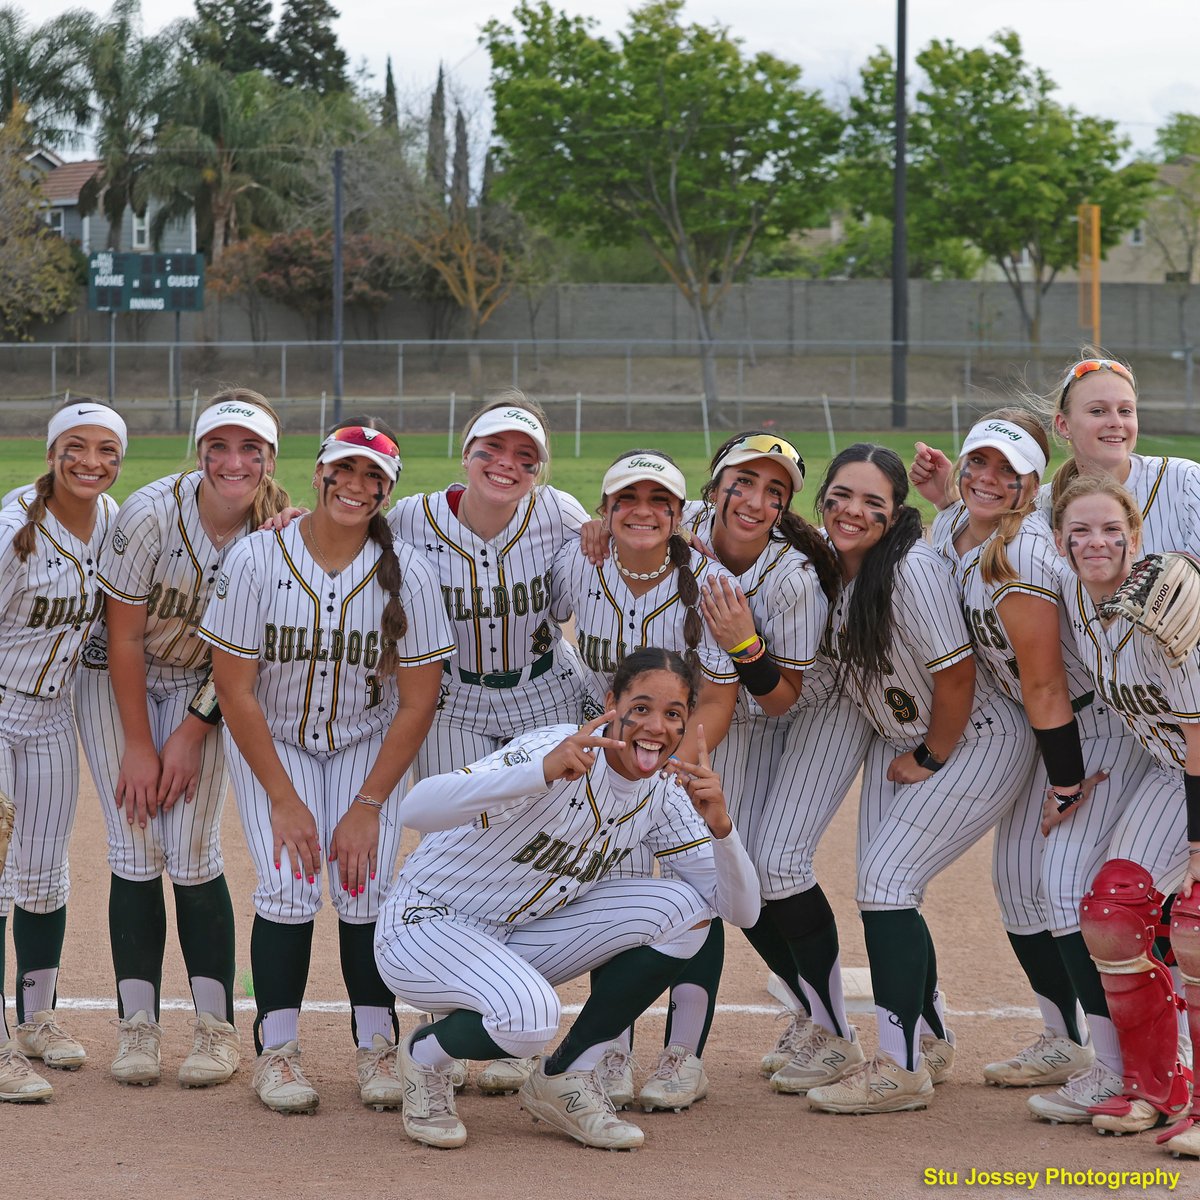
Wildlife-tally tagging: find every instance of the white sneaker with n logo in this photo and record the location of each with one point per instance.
(878, 1085)
(576, 1104)
(824, 1058)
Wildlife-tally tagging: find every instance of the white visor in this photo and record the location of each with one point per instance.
(500, 420)
(634, 468)
(242, 414)
(1022, 451)
(86, 413)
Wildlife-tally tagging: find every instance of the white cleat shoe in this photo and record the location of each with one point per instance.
(615, 1072)
(280, 1083)
(19, 1082)
(138, 1061)
(823, 1059)
(938, 1054)
(42, 1037)
(791, 1040)
(576, 1104)
(1069, 1105)
(504, 1076)
(677, 1083)
(430, 1116)
(1142, 1115)
(879, 1085)
(379, 1084)
(1185, 1144)
(216, 1053)
(1047, 1062)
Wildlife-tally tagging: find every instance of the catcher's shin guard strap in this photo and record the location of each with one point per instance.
(1119, 919)
(1062, 754)
(1191, 791)
(1185, 938)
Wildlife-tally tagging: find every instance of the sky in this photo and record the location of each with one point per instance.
(1135, 64)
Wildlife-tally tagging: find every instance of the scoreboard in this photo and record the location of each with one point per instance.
(145, 282)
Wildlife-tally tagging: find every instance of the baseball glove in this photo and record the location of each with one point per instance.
(1162, 598)
(8, 817)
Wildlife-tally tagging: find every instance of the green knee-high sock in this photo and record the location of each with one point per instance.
(137, 929)
(462, 1035)
(279, 960)
(1047, 973)
(205, 917)
(702, 970)
(364, 984)
(929, 1011)
(622, 989)
(764, 935)
(38, 941)
(806, 920)
(898, 951)
(1082, 969)
(3, 951)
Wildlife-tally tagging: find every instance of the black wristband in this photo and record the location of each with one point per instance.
(759, 677)
(924, 759)
(1062, 754)
(1064, 802)
(204, 703)
(1191, 791)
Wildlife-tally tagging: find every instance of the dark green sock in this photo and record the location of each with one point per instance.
(205, 917)
(3, 952)
(930, 1014)
(38, 941)
(898, 951)
(279, 959)
(704, 970)
(622, 989)
(364, 984)
(808, 925)
(772, 947)
(1084, 977)
(1044, 967)
(137, 929)
(462, 1035)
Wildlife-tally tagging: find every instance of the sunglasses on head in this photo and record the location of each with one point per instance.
(367, 439)
(766, 445)
(1087, 365)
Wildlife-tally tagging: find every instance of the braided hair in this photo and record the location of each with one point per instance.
(866, 636)
(26, 540)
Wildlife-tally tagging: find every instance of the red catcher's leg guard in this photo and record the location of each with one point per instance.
(1119, 918)
(1185, 941)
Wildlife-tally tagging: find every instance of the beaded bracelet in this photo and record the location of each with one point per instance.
(361, 799)
(744, 660)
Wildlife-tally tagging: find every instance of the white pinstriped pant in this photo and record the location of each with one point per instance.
(438, 960)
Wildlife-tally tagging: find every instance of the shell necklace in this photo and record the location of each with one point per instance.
(644, 575)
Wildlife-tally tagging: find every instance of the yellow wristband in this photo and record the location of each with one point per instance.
(742, 645)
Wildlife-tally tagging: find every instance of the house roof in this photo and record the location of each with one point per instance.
(62, 185)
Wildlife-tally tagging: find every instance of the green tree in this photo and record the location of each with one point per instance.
(672, 135)
(37, 272)
(43, 71)
(307, 54)
(389, 113)
(435, 140)
(1179, 136)
(996, 160)
(235, 35)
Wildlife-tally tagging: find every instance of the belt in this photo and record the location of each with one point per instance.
(1082, 702)
(506, 679)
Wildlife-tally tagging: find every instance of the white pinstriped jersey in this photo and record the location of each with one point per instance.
(785, 598)
(496, 593)
(929, 634)
(610, 620)
(1039, 568)
(533, 847)
(48, 602)
(160, 556)
(1134, 679)
(1168, 491)
(317, 638)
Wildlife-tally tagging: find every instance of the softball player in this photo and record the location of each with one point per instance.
(147, 722)
(328, 645)
(1155, 846)
(50, 542)
(647, 592)
(1003, 556)
(950, 756)
(516, 890)
(491, 544)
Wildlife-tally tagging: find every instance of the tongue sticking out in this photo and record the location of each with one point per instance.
(646, 757)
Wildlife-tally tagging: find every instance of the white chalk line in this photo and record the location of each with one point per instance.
(108, 1004)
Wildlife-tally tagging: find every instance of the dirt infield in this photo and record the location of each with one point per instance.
(99, 1140)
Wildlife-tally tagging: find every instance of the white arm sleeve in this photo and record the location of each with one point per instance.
(726, 878)
(458, 798)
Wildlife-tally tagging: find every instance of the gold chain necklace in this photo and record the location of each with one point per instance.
(316, 545)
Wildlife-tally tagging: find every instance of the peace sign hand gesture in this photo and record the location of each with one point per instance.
(575, 756)
(703, 786)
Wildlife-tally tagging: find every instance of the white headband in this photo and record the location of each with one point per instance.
(242, 414)
(500, 420)
(75, 415)
(634, 468)
(1022, 451)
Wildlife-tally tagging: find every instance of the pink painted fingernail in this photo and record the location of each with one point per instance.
(311, 879)
(297, 874)
(372, 874)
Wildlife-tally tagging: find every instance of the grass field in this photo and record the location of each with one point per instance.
(427, 468)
